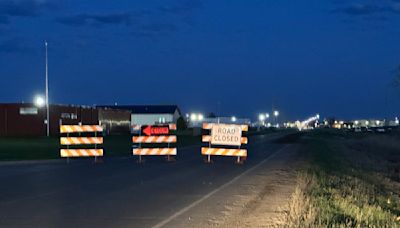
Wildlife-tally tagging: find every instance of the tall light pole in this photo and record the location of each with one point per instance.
(47, 95)
(276, 114)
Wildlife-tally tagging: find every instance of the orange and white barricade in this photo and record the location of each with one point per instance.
(156, 135)
(78, 145)
(225, 140)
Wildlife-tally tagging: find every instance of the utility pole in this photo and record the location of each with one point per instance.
(47, 95)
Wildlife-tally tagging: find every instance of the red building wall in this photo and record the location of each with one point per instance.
(13, 123)
(78, 114)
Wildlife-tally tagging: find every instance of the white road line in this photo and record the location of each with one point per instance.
(185, 209)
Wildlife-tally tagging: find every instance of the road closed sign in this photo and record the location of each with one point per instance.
(226, 134)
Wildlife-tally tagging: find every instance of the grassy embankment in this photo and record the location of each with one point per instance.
(351, 180)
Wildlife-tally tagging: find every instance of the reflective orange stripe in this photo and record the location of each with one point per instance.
(154, 151)
(81, 152)
(224, 152)
(81, 140)
(80, 128)
(154, 139)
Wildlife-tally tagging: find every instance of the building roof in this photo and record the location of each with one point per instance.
(145, 109)
(30, 104)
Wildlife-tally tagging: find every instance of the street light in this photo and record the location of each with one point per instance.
(47, 93)
(200, 117)
(39, 101)
(267, 115)
(276, 114)
(233, 119)
(261, 118)
(193, 117)
(196, 117)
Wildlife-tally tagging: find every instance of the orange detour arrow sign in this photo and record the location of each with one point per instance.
(155, 130)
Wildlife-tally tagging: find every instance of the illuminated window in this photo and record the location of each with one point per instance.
(28, 111)
(71, 116)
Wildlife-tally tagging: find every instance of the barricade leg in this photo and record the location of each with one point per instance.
(140, 159)
(170, 159)
(98, 159)
(239, 160)
(208, 160)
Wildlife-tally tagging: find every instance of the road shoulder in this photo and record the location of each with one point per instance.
(258, 199)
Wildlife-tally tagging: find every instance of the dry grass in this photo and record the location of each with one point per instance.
(313, 205)
(301, 212)
(351, 193)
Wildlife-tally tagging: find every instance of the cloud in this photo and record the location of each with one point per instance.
(4, 20)
(96, 19)
(395, 8)
(369, 9)
(154, 29)
(22, 8)
(14, 46)
(182, 8)
(147, 22)
(360, 9)
(158, 27)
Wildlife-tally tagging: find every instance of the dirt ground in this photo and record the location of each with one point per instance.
(259, 199)
(264, 199)
(277, 191)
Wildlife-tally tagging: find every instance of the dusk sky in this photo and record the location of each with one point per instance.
(336, 58)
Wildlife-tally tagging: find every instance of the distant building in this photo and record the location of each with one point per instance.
(25, 119)
(222, 120)
(366, 123)
(376, 123)
(115, 121)
(150, 114)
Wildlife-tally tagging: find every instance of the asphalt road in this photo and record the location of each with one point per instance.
(118, 192)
